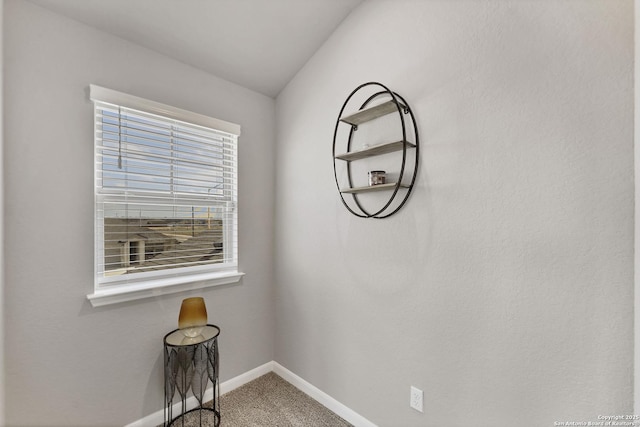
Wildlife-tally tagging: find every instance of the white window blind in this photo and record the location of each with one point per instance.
(166, 192)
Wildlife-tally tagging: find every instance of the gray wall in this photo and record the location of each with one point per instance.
(636, 81)
(504, 288)
(2, 370)
(66, 362)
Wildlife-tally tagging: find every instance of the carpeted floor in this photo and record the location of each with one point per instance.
(268, 401)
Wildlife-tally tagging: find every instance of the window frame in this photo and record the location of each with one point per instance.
(143, 285)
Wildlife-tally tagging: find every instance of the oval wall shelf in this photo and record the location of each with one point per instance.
(380, 103)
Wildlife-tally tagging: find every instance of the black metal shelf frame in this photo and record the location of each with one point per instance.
(364, 114)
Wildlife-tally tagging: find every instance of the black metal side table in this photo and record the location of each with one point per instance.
(190, 364)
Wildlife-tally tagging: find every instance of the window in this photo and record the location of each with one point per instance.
(165, 198)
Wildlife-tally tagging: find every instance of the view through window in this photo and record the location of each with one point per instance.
(165, 195)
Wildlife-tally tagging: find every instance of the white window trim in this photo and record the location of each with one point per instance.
(114, 294)
(130, 101)
(155, 288)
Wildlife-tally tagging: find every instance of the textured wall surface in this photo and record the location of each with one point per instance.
(2, 370)
(504, 288)
(66, 362)
(637, 210)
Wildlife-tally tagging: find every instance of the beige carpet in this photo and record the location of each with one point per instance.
(265, 402)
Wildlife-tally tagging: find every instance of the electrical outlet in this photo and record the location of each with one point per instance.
(416, 398)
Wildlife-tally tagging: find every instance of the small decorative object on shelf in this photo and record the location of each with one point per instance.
(193, 316)
(376, 177)
(379, 101)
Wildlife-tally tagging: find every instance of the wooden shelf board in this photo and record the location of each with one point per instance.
(375, 150)
(372, 188)
(371, 113)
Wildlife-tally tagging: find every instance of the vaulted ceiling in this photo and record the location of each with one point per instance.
(258, 44)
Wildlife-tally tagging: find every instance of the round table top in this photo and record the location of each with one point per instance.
(177, 338)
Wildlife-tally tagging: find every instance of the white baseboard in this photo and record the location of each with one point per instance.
(323, 398)
(242, 379)
(349, 415)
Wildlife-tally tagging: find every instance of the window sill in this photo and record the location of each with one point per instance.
(154, 288)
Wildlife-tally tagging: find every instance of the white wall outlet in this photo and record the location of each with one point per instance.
(415, 401)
